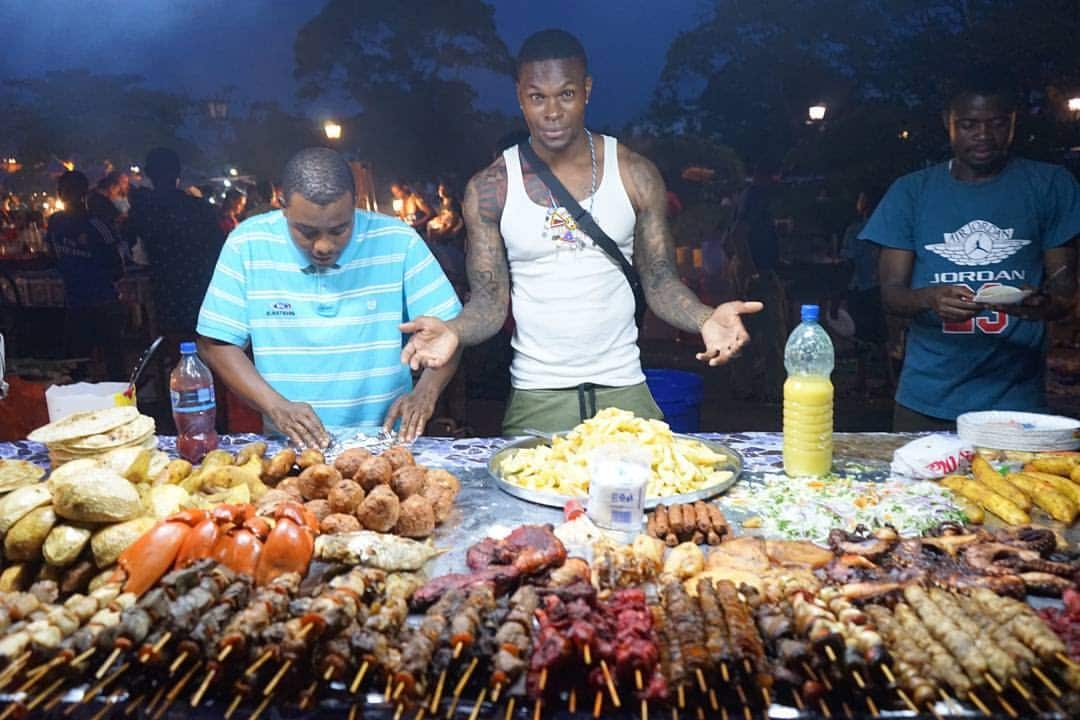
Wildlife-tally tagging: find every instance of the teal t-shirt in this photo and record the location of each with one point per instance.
(976, 235)
(329, 337)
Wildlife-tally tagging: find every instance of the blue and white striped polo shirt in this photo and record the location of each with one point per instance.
(328, 338)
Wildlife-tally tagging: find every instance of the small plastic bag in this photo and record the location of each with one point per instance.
(932, 457)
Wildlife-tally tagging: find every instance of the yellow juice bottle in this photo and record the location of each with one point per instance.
(808, 399)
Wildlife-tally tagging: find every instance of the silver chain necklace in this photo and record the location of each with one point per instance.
(558, 222)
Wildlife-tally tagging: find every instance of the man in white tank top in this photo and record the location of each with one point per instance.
(575, 339)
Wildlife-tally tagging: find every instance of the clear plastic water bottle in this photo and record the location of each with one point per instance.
(808, 398)
(191, 389)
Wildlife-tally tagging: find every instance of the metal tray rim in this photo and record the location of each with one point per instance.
(558, 501)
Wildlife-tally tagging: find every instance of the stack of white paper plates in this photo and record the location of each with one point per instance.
(1007, 430)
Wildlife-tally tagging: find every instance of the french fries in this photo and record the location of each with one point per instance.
(989, 477)
(679, 465)
(1045, 496)
(987, 499)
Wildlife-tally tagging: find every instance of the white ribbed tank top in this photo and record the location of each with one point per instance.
(573, 309)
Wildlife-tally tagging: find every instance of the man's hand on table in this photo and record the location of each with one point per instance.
(300, 424)
(414, 409)
(432, 343)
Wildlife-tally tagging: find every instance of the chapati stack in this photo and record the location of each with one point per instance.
(93, 433)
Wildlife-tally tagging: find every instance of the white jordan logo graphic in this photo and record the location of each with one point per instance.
(980, 242)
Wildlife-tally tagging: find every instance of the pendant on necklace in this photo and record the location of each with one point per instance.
(561, 228)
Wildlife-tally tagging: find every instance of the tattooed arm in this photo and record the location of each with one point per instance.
(654, 257)
(434, 342)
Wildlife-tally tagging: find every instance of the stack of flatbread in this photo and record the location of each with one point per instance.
(93, 433)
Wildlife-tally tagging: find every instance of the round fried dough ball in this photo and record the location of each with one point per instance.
(380, 509)
(319, 508)
(279, 466)
(399, 456)
(316, 481)
(291, 485)
(310, 457)
(374, 471)
(441, 488)
(339, 523)
(345, 497)
(408, 480)
(417, 519)
(349, 461)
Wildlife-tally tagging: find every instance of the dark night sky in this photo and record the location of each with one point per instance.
(200, 46)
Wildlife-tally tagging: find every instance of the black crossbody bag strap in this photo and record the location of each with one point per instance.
(586, 222)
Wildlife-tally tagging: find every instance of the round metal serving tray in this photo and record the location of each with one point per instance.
(735, 464)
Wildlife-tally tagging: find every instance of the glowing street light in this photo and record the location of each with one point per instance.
(234, 172)
(816, 113)
(904, 134)
(135, 169)
(332, 130)
(1074, 104)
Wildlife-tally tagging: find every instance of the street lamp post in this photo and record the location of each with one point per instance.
(1074, 105)
(332, 130)
(816, 113)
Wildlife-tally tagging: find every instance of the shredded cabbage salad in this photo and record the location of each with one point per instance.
(808, 508)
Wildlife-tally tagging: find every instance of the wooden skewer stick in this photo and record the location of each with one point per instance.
(83, 656)
(225, 652)
(746, 667)
(198, 696)
(462, 682)
(847, 709)
(262, 660)
(398, 711)
(933, 711)
(724, 672)
(105, 707)
(359, 677)
(145, 657)
(108, 663)
(746, 713)
(598, 704)
(420, 713)
(10, 710)
(798, 699)
(509, 709)
(329, 673)
(700, 713)
(477, 705)
(495, 692)
(49, 706)
(638, 682)
(40, 670)
(154, 700)
(680, 694)
(536, 708)
(438, 692)
(701, 680)
(888, 674)
(830, 653)
(543, 679)
(1046, 681)
(1019, 686)
(134, 704)
(1009, 709)
(1065, 659)
(857, 676)
(742, 695)
(571, 704)
(872, 707)
(309, 691)
(49, 690)
(259, 710)
(101, 685)
(824, 708)
(587, 653)
(352, 712)
(644, 709)
(397, 691)
(277, 677)
(949, 702)
(977, 702)
(178, 662)
(171, 696)
(807, 669)
(766, 697)
(907, 701)
(992, 682)
(233, 705)
(457, 650)
(714, 703)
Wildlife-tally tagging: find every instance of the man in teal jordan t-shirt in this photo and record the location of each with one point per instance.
(956, 229)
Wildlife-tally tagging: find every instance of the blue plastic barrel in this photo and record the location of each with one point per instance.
(678, 393)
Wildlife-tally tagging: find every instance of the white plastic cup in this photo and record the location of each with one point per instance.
(617, 479)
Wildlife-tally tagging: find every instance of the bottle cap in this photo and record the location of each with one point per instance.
(809, 313)
(187, 348)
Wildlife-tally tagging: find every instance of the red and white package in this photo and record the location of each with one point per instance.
(932, 457)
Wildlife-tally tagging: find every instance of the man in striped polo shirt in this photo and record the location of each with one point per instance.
(318, 289)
